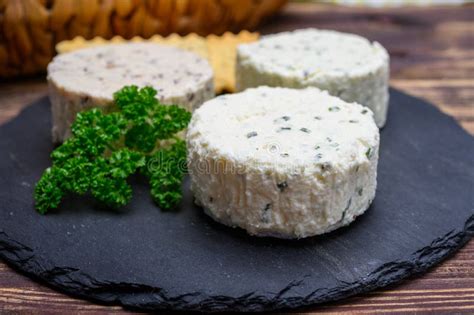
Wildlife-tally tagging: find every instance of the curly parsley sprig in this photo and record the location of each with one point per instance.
(105, 149)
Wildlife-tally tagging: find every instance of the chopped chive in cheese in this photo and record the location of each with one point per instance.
(346, 65)
(252, 134)
(286, 182)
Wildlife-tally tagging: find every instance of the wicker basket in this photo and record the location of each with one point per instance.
(29, 29)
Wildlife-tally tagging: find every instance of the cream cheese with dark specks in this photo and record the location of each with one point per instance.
(346, 65)
(272, 169)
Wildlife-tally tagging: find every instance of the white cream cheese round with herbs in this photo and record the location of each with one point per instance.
(281, 162)
(346, 65)
(89, 77)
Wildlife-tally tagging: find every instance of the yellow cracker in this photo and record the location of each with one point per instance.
(79, 42)
(222, 55)
(191, 42)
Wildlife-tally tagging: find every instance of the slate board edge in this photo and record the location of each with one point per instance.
(137, 296)
(142, 297)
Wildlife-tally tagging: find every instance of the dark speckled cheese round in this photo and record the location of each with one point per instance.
(89, 77)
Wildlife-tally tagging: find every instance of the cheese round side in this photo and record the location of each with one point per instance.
(288, 163)
(346, 65)
(89, 77)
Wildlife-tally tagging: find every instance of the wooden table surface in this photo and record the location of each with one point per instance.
(432, 56)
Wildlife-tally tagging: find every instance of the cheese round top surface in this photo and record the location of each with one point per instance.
(268, 128)
(309, 54)
(101, 71)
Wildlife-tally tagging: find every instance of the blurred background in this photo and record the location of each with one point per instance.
(29, 29)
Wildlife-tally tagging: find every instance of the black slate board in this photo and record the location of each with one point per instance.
(145, 258)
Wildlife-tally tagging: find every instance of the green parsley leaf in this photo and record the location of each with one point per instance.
(166, 169)
(106, 148)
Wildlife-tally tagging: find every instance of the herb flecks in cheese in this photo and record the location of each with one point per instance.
(306, 177)
(346, 65)
(89, 77)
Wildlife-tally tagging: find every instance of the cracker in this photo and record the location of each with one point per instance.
(222, 55)
(79, 42)
(191, 42)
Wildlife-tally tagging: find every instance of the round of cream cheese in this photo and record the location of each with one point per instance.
(346, 65)
(89, 77)
(281, 162)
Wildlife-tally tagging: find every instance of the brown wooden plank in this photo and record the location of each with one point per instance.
(454, 97)
(16, 94)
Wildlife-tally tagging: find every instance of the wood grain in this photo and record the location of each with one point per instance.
(432, 57)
